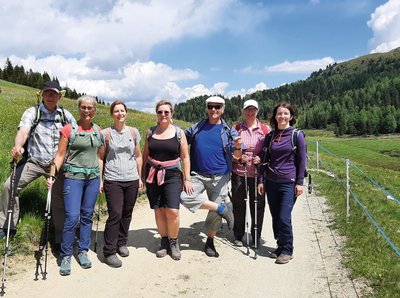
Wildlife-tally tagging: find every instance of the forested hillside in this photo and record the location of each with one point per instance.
(358, 97)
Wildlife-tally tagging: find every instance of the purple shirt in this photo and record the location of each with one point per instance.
(283, 166)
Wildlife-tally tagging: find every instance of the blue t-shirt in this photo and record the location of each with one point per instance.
(209, 153)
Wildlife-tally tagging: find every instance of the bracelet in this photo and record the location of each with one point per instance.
(188, 179)
(238, 148)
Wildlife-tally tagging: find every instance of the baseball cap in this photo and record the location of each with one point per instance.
(250, 103)
(215, 99)
(52, 85)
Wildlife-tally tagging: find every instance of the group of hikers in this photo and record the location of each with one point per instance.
(79, 160)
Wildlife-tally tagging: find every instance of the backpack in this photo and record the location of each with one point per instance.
(36, 122)
(294, 141)
(178, 133)
(108, 137)
(74, 132)
(265, 129)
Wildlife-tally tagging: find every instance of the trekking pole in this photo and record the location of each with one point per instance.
(255, 211)
(248, 216)
(43, 243)
(97, 224)
(9, 218)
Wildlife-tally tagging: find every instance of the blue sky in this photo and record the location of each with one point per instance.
(145, 50)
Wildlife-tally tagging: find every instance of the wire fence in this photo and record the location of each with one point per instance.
(363, 189)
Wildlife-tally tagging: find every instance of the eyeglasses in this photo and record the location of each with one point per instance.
(217, 107)
(166, 113)
(83, 108)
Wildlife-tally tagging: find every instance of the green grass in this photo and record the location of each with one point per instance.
(366, 252)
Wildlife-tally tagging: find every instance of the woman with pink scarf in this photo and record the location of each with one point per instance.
(165, 148)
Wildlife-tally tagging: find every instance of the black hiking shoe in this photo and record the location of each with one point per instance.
(164, 248)
(209, 248)
(227, 214)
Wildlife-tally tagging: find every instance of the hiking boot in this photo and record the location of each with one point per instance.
(209, 248)
(3, 233)
(238, 243)
(123, 251)
(164, 247)
(275, 254)
(113, 261)
(283, 259)
(65, 267)
(174, 249)
(84, 260)
(227, 214)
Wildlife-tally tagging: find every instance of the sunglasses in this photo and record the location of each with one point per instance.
(83, 108)
(166, 113)
(217, 107)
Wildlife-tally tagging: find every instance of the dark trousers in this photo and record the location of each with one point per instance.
(239, 206)
(121, 198)
(281, 200)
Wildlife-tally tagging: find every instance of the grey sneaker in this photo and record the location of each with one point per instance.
(209, 248)
(84, 259)
(275, 254)
(238, 243)
(174, 249)
(283, 259)
(123, 251)
(65, 267)
(164, 247)
(113, 261)
(227, 214)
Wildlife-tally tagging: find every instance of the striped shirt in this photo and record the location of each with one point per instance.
(43, 143)
(253, 141)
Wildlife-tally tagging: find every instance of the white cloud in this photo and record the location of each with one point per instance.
(300, 66)
(103, 47)
(385, 24)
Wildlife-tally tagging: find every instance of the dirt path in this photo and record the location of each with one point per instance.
(315, 271)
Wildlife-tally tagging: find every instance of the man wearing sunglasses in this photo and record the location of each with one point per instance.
(213, 143)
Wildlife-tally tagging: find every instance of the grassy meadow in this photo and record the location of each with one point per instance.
(366, 253)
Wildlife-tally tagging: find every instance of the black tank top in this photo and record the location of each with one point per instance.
(163, 150)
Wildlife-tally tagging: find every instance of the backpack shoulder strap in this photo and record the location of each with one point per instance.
(74, 132)
(64, 119)
(107, 139)
(265, 129)
(267, 146)
(178, 133)
(152, 130)
(133, 133)
(295, 135)
(37, 117)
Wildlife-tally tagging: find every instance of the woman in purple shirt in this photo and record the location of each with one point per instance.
(283, 178)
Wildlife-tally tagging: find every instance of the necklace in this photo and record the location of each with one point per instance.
(161, 130)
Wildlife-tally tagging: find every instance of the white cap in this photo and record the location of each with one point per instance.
(215, 99)
(250, 103)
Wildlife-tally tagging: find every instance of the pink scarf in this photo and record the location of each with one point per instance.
(159, 167)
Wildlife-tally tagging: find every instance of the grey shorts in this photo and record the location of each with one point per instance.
(216, 187)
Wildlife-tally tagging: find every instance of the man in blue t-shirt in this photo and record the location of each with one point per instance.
(213, 143)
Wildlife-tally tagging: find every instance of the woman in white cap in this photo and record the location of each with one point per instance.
(252, 133)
